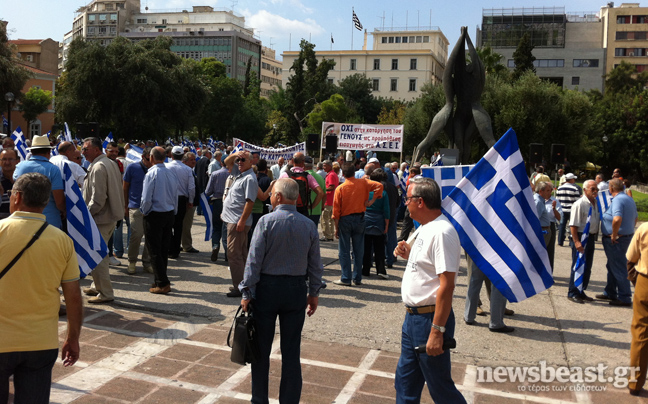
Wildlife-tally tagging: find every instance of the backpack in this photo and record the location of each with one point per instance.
(303, 201)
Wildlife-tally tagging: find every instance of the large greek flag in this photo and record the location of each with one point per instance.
(88, 243)
(67, 135)
(447, 177)
(107, 140)
(134, 153)
(579, 266)
(21, 145)
(493, 211)
(207, 212)
(603, 200)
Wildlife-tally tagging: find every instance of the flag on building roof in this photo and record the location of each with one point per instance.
(493, 211)
(332, 41)
(89, 246)
(579, 266)
(356, 23)
(604, 200)
(447, 177)
(207, 212)
(19, 141)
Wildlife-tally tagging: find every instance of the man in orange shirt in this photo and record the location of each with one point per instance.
(350, 201)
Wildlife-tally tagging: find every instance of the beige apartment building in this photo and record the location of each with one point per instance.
(625, 36)
(270, 71)
(400, 63)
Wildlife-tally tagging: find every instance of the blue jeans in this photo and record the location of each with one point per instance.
(32, 372)
(283, 296)
(618, 285)
(315, 219)
(352, 228)
(415, 369)
(589, 260)
(118, 236)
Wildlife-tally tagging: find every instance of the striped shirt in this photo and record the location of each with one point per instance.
(567, 194)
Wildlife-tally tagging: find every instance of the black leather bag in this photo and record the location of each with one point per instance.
(245, 346)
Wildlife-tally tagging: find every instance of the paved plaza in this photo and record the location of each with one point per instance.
(148, 348)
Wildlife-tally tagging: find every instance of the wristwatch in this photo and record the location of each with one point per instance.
(438, 327)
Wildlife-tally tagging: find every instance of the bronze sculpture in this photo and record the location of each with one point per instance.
(466, 83)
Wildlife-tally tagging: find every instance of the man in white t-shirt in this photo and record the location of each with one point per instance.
(428, 284)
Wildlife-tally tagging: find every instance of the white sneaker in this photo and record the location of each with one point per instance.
(114, 261)
(384, 276)
(131, 268)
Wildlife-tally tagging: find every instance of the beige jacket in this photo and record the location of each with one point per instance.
(103, 192)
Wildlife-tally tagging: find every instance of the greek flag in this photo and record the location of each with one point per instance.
(107, 140)
(207, 212)
(238, 148)
(493, 211)
(89, 246)
(604, 200)
(447, 177)
(171, 142)
(356, 21)
(579, 266)
(54, 151)
(134, 153)
(4, 121)
(67, 135)
(19, 141)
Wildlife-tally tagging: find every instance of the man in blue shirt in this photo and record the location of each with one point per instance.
(133, 184)
(215, 189)
(186, 187)
(39, 163)
(617, 226)
(159, 206)
(543, 193)
(275, 274)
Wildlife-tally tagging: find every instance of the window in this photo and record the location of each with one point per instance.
(352, 64)
(29, 58)
(586, 62)
(412, 85)
(550, 63)
(92, 18)
(398, 39)
(619, 52)
(426, 39)
(412, 64)
(419, 39)
(35, 129)
(393, 86)
(383, 39)
(376, 64)
(510, 63)
(405, 39)
(141, 20)
(391, 39)
(113, 17)
(575, 81)
(102, 17)
(411, 39)
(375, 84)
(623, 19)
(330, 81)
(394, 64)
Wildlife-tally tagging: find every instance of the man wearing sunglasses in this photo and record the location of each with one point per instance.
(237, 214)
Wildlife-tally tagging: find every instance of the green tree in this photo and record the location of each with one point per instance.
(523, 57)
(357, 91)
(307, 86)
(394, 115)
(13, 76)
(492, 61)
(625, 79)
(33, 103)
(332, 110)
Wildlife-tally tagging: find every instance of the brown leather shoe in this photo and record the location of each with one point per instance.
(90, 291)
(163, 290)
(97, 300)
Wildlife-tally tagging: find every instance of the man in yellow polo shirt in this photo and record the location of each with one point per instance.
(30, 299)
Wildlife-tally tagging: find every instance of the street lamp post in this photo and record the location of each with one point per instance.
(9, 97)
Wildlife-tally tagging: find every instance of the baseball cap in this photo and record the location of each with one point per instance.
(177, 150)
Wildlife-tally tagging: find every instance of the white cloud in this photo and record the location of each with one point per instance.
(276, 26)
(293, 4)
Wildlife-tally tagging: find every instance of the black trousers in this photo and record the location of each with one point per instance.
(32, 372)
(408, 226)
(157, 230)
(174, 249)
(377, 244)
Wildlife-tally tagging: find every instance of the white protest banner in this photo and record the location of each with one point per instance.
(269, 154)
(356, 136)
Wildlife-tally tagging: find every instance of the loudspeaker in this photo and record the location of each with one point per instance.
(535, 154)
(331, 144)
(82, 130)
(450, 156)
(312, 142)
(557, 153)
(93, 129)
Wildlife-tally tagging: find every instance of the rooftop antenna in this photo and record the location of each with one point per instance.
(406, 19)
(383, 21)
(392, 24)
(430, 18)
(418, 20)
(271, 43)
(234, 4)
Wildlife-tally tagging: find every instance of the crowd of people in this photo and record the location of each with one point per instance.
(263, 213)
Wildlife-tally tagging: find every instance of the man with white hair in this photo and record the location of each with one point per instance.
(65, 156)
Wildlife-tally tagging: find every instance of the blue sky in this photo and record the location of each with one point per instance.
(282, 23)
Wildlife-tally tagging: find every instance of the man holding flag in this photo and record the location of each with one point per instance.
(584, 211)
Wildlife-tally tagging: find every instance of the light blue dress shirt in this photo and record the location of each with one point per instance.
(40, 164)
(160, 190)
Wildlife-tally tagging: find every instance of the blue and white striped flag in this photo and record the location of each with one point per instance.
(21, 145)
(493, 211)
(447, 177)
(134, 153)
(207, 212)
(107, 140)
(5, 122)
(67, 135)
(171, 142)
(604, 200)
(54, 151)
(403, 184)
(238, 148)
(579, 266)
(89, 246)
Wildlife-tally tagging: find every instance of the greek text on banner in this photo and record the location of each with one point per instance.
(355, 136)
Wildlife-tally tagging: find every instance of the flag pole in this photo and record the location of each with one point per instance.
(353, 11)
